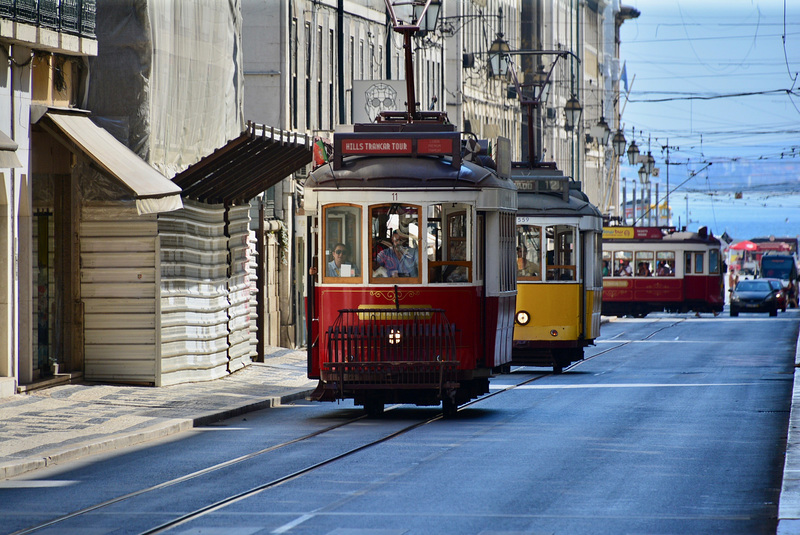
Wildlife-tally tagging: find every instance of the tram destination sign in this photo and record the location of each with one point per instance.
(376, 146)
(396, 144)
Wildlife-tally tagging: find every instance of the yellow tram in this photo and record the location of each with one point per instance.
(559, 269)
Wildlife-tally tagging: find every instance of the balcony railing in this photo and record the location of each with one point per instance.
(76, 17)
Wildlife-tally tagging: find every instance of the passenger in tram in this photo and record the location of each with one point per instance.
(399, 260)
(605, 268)
(526, 268)
(643, 270)
(625, 269)
(663, 269)
(337, 267)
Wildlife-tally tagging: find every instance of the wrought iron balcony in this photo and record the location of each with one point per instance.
(75, 17)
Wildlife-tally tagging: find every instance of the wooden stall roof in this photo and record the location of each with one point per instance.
(255, 161)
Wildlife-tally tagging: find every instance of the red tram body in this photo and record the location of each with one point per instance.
(430, 324)
(655, 269)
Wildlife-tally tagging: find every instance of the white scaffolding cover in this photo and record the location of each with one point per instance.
(167, 80)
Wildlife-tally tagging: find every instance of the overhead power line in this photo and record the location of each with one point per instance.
(715, 97)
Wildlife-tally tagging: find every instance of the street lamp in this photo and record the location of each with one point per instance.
(541, 80)
(498, 57)
(649, 163)
(633, 153)
(604, 132)
(426, 18)
(644, 176)
(573, 111)
(619, 143)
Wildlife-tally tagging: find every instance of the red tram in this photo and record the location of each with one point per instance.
(654, 269)
(414, 292)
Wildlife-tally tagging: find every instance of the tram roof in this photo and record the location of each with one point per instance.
(404, 172)
(554, 204)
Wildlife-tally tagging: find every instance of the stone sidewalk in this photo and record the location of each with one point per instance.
(69, 421)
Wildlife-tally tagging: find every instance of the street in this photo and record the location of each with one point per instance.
(673, 424)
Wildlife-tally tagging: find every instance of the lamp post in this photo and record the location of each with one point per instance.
(500, 65)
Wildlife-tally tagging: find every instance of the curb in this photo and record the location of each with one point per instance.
(789, 503)
(153, 432)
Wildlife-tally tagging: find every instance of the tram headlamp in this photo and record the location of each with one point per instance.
(394, 336)
(523, 317)
(554, 333)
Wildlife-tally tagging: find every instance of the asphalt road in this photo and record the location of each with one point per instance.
(675, 424)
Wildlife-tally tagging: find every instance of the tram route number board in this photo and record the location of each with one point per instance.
(397, 146)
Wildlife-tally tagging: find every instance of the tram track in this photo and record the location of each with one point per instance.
(274, 482)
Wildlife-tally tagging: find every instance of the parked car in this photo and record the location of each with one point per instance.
(781, 295)
(756, 295)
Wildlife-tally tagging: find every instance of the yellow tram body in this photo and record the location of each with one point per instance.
(556, 312)
(559, 276)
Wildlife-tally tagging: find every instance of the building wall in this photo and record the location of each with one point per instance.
(476, 102)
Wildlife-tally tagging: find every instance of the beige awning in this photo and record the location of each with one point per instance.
(8, 152)
(154, 192)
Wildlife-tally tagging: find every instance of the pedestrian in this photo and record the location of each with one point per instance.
(791, 295)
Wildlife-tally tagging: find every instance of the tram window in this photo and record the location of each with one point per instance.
(394, 231)
(606, 263)
(622, 263)
(449, 243)
(665, 264)
(342, 239)
(698, 262)
(560, 255)
(687, 262)
(529, 252)
(713, 262)
(644, 263)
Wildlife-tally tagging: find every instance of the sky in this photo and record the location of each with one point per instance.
(717, 82)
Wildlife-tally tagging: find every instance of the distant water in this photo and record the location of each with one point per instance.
(755, 215)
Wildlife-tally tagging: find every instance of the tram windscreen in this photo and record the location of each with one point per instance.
(395, 236)
(560, 253)
(529, 252)
(342, 233)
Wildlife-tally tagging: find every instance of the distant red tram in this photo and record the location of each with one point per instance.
(655, 269)
(414, 292)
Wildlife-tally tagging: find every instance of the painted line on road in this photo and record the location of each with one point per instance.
(624, 385)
